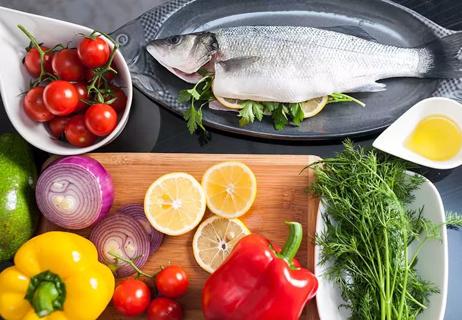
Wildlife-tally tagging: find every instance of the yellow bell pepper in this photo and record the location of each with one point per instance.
(56, 276)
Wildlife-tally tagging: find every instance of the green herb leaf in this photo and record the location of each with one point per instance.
(296, 113)
(184, 96)
(200, 93)
(194, 93)
(257, 110)
(369, 227)
(246, 114)
(270, 106)
(194, 119)
(280, 117)
(341, 97)
(250, 112)
(281, 113)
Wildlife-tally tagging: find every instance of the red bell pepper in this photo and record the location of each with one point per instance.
(258, 283)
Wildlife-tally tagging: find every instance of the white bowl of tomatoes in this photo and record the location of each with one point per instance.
(66, 88)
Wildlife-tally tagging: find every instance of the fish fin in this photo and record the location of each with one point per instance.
(237, 63)
(370, 87)
(446, 57)
(352, 31)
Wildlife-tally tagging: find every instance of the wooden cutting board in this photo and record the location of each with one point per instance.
(281, 197)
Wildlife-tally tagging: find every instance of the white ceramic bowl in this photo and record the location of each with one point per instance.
(14, 79)
(392, 140)
(432, 262)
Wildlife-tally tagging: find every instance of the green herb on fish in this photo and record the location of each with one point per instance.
(281, 113)
(368, 230)
(250, 111)
(202, 93)
(341, 97)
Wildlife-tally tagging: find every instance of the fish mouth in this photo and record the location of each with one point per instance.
(193, 77)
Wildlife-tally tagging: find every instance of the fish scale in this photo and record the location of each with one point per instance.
(293, 64)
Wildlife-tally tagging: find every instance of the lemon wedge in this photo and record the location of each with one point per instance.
(310, 108)
(175, 203)
(214, 240)
(229, 103)
(314, 106)
(230, 188)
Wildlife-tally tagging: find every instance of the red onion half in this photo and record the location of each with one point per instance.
(74, 192)
(137, 212)
(120, 235)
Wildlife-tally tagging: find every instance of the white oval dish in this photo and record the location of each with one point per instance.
(432, 262)
(14, 79)
(392, 140)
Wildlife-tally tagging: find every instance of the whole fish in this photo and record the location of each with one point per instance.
(295, 64)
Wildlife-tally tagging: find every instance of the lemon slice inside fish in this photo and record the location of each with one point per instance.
(310, 108)
(314, 106)
(229, 103)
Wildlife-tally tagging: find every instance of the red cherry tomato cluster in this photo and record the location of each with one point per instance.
(74, 91)
(132, 296)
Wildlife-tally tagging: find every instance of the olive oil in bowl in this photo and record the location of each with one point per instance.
(436, 138)
(428, 134)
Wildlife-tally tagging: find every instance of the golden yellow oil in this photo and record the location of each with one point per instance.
(436, 138)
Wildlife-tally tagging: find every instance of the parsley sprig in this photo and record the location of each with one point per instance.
(201, 93)
(282, 114)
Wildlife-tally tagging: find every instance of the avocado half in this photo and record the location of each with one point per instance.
(18, 211)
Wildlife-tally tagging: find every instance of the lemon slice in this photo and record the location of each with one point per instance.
(230, 189)
(229, 103)
(215, 239)
(314, 106)
(175, 203)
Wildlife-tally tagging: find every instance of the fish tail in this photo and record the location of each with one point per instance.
(442, 58)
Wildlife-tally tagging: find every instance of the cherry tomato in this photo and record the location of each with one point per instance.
(57, 126)
(34, 106)
(32, 61)
(100, 119)
(67, 66)
(77, 134)
(131, 297)
(120, 102)
(164, 309)
(172, 282)
(83, 95)
(93, 52)
(60, 97)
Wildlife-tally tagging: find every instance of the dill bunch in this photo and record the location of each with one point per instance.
(368, 231)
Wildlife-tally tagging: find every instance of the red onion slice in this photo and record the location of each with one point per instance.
(123, 236)
(137, 212)
(74, 192)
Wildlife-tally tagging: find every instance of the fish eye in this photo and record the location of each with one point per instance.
(174, 40)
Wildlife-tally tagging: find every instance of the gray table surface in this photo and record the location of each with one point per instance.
(153, 129)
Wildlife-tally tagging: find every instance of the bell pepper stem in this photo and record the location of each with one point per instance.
(293, 242)
(46, 293)
(43, 298)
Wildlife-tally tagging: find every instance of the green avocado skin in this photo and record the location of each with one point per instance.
(18, 213)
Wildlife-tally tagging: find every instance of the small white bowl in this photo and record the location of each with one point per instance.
(432, 262)
(14, 79)
(392, 140)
